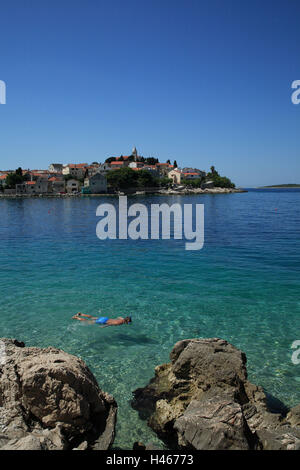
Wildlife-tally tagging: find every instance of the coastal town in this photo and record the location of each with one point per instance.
(122, 174)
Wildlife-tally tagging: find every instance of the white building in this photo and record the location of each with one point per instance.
(76, 170)
(55, 168)
(136, 164)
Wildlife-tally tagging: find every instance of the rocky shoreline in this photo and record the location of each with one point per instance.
(50, 400)
(201, 400)
(160, 192)
(203, 191)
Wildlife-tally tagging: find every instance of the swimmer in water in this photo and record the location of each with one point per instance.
(104, 321)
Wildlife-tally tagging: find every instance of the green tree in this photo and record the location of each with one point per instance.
(223, 182)
(165, 182)
(219, 181)
(151, 161)
(196, 183)
(125, 178)
(175, 164)
(122, 178)
(14, 178)
(146, 179)
(110, 159)
(213, 170)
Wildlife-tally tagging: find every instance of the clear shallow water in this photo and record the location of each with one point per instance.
(243, 286)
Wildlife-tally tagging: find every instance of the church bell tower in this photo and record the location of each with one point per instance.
(135, 154)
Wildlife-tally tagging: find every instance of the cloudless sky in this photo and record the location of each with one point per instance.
(203, 82)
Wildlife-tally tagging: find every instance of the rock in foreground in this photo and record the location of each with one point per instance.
(203, 400)
(49, 400)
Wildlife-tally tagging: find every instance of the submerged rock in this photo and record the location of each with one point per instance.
(202, 399)
(50, 400)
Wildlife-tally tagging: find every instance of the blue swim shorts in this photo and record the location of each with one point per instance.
(101, 320)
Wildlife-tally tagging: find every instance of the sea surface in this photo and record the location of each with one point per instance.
(243, 286)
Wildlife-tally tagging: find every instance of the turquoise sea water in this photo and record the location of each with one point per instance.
(243, 286)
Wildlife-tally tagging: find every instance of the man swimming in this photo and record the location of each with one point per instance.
(104, 321)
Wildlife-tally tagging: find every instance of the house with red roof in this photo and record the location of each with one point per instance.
(76, 170)
(57, 184)
(40, 186)
(164, 169)
(123, 158)
(117, 164)
(92, 169)
(3, 181)
(178, 174)
(3, 176)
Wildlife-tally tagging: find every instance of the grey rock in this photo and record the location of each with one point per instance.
(50, 400)
(25, 443)
(293, 416)
(279, 439)
(202, 399)
(214, 423)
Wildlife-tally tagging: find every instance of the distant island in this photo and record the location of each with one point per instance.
(282, 186)
(132, 174)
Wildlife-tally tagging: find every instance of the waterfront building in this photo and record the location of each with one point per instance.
(97, 183)
(3, 179)
(57, 185)
(175, 176)
(73, 186)
(178, 174)
(40, 186)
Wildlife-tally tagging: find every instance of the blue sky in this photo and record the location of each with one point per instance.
(205, 83)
